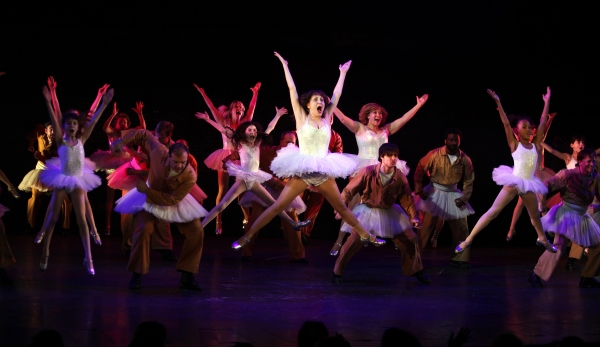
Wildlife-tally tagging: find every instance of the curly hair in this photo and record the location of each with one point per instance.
(363, 114)
(305, 99)
(239, 134)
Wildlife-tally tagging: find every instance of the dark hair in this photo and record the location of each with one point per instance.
(239, 135)
(515, 119)
(122, 115)
(388, 149)
(288, 132)
(363, 114)
(584, 153)
(310, 332)
(183, 142)
(397, 337)
(571, 341)
(452, 131)
(47, 124)
(305, 99)
(336, 340)
(149, 334)
(178, 148)
(577, 137)
(74, 114)
(165, 127)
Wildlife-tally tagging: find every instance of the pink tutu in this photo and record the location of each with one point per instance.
(215, 160)
(573, 222)
(503, 176)
(440, 202)
(362, 163)
(297, 204)
(289, 162)
(186, 210)
(32, 180)
(106, 160)
(382, 222)
(119, 179)
(198, 194)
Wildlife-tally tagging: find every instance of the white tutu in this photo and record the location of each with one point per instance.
(290, 162)
(119, 179)
(573, 222)
(503, 176)
(53, 177)
(440, 202)
(382, 222)
(186, 210)
(215, 160)
(362, 163)
(247, 176)
(32, 180)
(106, 160)
(297, 204)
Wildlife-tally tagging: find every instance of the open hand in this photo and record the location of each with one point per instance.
(138, 107)
(202, 115)
(51, 83)
(115, 110)
(546, 96)
(256, 88)
(280, 111)
(346, 66)
(107, 97)
(422, 100)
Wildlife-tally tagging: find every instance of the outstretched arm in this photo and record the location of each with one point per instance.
(299, 112)
(510, 137)
(250, 111)
(394, 126)
(337, 91)
(138, 110)
(351, 124)
(564, 156)
(106, 99)
(106, 127)
(96, 102)
(278, 113)
(55, 105)
(53, 117)
(539, 137)
(204, 116)
(215, 111)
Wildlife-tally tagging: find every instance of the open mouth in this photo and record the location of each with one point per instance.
(238, 113)
(320, 109)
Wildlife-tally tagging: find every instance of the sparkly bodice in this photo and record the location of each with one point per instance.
(314, 141)
(249, 158)
(525, 161)
(369, 143)
(71, 159)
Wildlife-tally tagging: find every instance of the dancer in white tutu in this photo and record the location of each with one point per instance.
(247, 138)
(74, 177)
(441, 200)
(6, 255)
(164, 197)
(274, 186)
(379, 187)
(519, 180)
(311, 164)
(371, 132)
(569, 220)
(231, 116)
(118, 155)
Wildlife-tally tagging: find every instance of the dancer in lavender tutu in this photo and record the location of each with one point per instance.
(569, 221)
(520, 179)
(74, 177)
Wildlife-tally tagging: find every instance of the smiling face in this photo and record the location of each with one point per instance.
(586, 166)
(375, 117)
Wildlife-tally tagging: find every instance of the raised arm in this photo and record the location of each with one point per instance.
(548, 124)
(52, 87)
(138, 110)
(564, 156)
(53, 117)
(394, 126)
(106, 99)
(539, 137)
(299, 112)
(252, 105)
(351, 124)
(337, 91)
(215, 111)
(204, 116)
(278, 113)
(99, 96)
(106, 127)
(510, 137)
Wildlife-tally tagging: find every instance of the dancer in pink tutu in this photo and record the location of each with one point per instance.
(112, 159)
(231, 117)
(520, 179)
(247, 138)
(371, 132)
(311, 164)
(569, 220)
(73, 178)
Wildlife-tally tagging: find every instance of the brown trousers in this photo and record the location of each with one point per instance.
(189, 259)
(292, 236)
(6, 255)
(459, 228)
(547, 262)
(33, 206)
(406, 242)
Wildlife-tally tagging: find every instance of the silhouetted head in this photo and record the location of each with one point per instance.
(507, 340)
(393, 337)
(310, 332)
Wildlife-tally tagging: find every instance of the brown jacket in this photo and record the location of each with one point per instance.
(163, 190)
(573, 187)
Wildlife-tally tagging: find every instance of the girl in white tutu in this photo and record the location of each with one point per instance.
(371, 132)
(118, 155)
(247, 138)
(73, 178)
(520, 179)
(231, 117)
(311, 164)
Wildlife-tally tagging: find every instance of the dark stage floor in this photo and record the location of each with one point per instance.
(265, 301)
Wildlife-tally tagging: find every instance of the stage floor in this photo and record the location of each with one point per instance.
(266, 300)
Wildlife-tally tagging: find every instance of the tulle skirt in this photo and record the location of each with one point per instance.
(503, 176)
(290, 162)
(215, 160)
(3, 209)
(32, 180)
(440, 202)
(119, 179)
(249, 177)
(297, 204)
(186, 210)
(573, 222)
(106, 160)
(382, 222)
(53, 177)
(362, 163)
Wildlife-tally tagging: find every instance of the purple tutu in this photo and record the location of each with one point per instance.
(573, 222)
